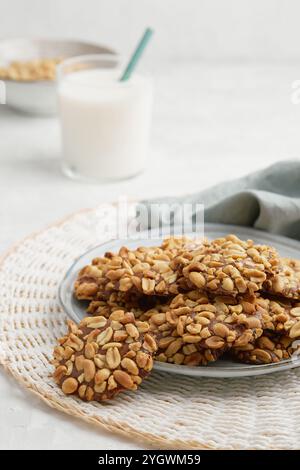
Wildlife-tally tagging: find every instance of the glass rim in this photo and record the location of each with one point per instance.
(85, 58)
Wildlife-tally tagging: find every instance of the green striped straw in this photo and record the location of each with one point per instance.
(137, 55)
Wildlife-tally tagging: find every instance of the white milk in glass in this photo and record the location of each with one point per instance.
(105, 123)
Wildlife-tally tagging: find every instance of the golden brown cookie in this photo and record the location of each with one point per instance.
(194, 329)
(106, 304)
(286, 282)
(206, 326)
(280, 315)
(209, 322)
(276, 314)
(176, 351)
(269, 348)
(145, 270)
(140, 305)
(227, 266)
(102, 357)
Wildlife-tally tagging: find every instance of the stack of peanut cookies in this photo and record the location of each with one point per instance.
(184, 302)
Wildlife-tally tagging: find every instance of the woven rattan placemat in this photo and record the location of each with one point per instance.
(168, 411)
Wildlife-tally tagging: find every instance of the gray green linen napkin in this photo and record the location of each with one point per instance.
(268, 200)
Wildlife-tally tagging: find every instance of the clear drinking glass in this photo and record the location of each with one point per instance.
(105, 123)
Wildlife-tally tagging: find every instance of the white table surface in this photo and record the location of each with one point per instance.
(211, 122)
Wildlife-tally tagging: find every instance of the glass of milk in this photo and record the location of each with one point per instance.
(105, 123)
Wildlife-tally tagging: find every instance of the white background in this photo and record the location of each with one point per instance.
(223, 72)
(186, 29)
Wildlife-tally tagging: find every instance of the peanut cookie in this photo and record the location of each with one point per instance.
(269, 348)
(277, 314)
(286, 282)
(175, 351)
(165, 321)
(280, 315)
(145, 270)
(227, 266)
(106, 304)
(214, 322)
(142, 306)
(194, 329)
(102, 357)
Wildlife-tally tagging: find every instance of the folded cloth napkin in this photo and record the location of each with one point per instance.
(268, 200)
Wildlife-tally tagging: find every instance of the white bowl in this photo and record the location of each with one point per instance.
(39, 97)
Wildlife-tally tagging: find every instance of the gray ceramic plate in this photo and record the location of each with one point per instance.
(222, 368)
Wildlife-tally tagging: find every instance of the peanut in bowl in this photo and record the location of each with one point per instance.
(28, 69)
